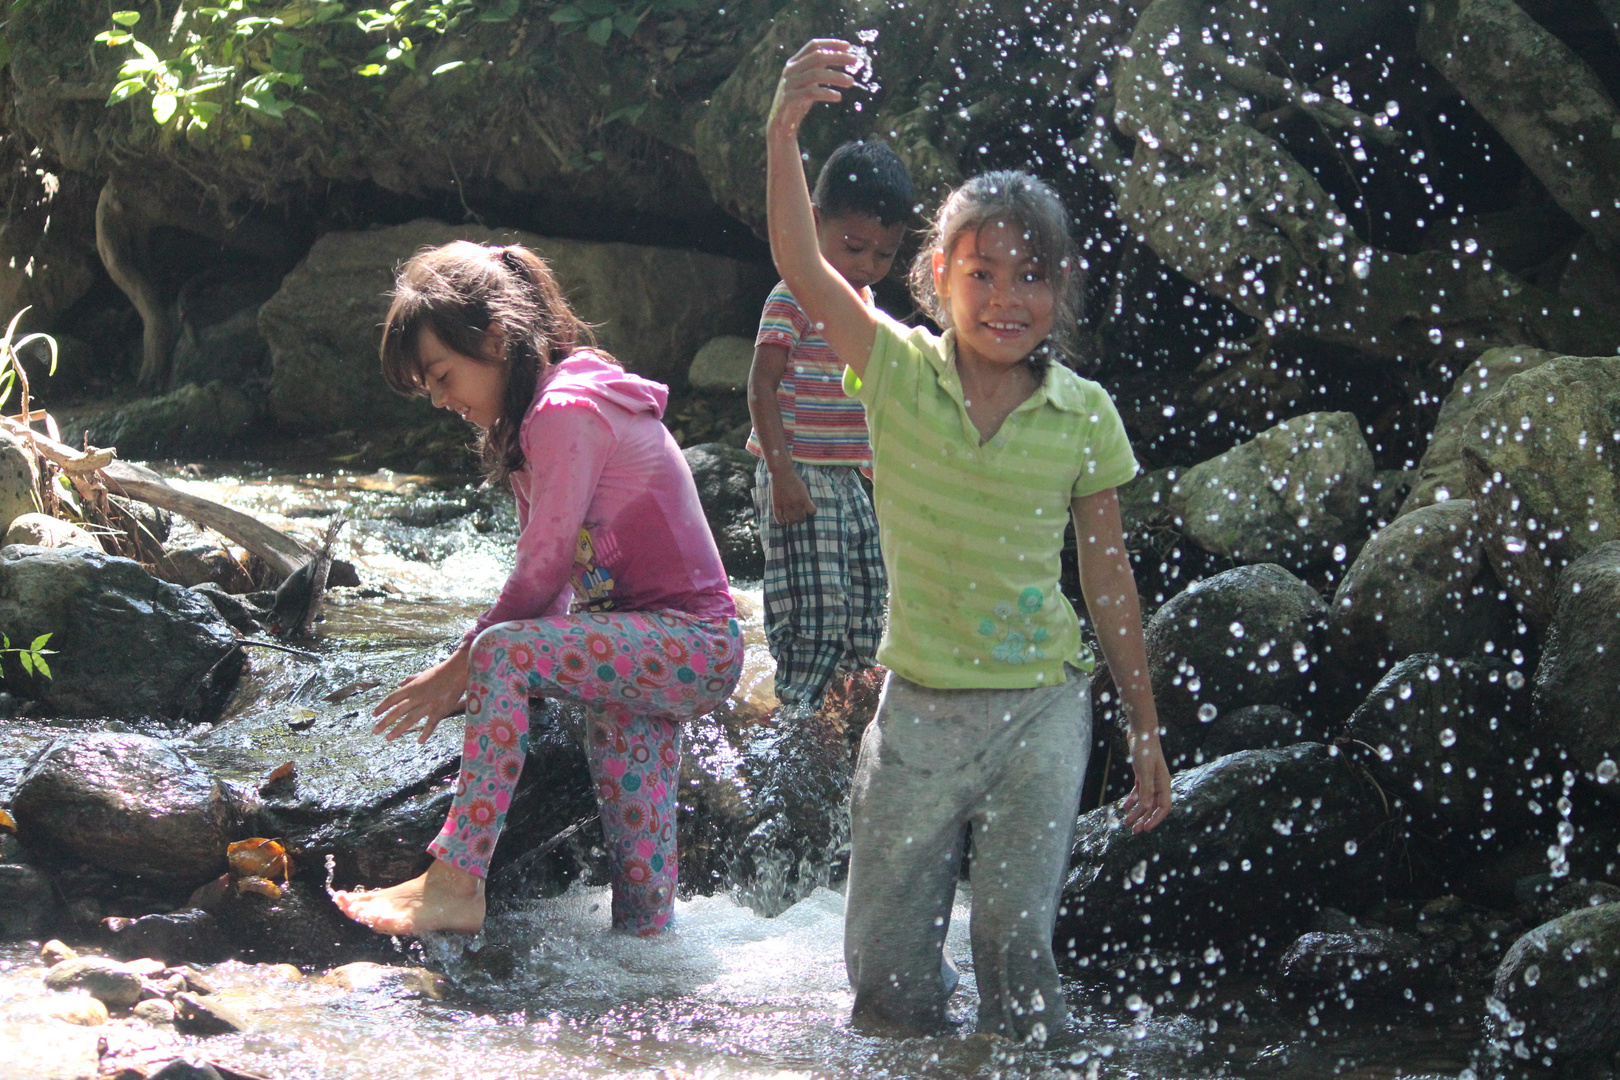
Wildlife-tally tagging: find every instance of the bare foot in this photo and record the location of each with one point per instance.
(444, 899)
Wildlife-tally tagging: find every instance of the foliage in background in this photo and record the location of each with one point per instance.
(259, 59)
(33, 657)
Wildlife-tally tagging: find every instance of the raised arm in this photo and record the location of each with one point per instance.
(1116, 613)
(817, 72)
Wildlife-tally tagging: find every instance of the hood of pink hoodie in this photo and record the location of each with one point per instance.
(585, 373)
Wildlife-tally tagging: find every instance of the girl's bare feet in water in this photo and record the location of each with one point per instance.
(444, 900)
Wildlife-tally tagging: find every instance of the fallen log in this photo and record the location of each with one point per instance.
(71, 461)
(279, 551)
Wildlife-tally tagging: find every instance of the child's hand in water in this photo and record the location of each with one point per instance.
(817, 72)
(426, 697)
(1149, 801)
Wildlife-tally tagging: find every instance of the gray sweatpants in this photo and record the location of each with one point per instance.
(1011, 764)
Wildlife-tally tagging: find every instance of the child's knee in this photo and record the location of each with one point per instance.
(485, 649)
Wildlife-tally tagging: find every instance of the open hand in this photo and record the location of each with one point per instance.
(426, 698)
(1148, 803)
(817, 72)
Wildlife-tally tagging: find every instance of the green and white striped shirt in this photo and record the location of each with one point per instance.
(972, 533)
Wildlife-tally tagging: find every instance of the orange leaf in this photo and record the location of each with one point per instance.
(7, 822)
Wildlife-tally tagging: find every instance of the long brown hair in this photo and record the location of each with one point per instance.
(1027, 202)
(460, 291)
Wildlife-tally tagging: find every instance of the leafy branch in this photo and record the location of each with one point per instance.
(33, 657)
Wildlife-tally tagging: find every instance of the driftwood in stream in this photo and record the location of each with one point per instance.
(279, 551)
(299, 597)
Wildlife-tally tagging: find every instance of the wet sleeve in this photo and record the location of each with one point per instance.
(567, 446)
(1106, 460)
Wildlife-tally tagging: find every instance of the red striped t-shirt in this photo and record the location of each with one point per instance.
(824, 426)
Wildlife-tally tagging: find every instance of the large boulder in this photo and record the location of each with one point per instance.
(722, 365)
(28, 903)
(1579, 673)
(126, 644)
(1440, 473)
(1296, 494)
(1540, 462)
(1445, 738)
(128, 804)
(1420, 585)
(1557, 991)
(1254, 841)
(17, 480)
(725, 486)
(1249, 636)
(219, 328)
(652, 308)
(208, 419)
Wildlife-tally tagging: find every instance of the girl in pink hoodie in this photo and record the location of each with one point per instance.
(618, 599)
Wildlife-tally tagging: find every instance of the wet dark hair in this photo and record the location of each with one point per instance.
(865, 177)
(460, 291)
(1021, 199)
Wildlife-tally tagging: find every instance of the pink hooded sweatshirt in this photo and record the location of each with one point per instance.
(609, 514)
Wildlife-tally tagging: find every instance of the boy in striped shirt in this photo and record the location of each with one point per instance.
(824, 581)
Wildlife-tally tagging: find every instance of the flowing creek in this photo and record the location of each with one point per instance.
(726, 993)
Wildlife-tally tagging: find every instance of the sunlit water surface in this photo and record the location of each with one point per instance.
(726, 992)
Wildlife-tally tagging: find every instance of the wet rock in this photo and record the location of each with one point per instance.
(1246, 637)
(108, 981)
(28, 903)
(43, 530)
(201, 562)
(126, 643)
(1445, 739)
(1540, 462)
(81, 1010)
(399, 982)
(1365, 962)
(184, 1069)
(653, 307)
(195, 1015)
(722, 365)
(1254, 727)
(725, 485)
(53, 952)
(17, 481)
(301, 926)
(1561, 982)
(1420, 585)
(158, 1012)
(1440, 473)
(209, 419)
(1256, 840)
(189, 934)
(244, 617)
(1580, 664)
(1291, 495)
(1576, 895)
(128, 804)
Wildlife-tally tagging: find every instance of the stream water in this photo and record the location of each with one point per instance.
(726, 992)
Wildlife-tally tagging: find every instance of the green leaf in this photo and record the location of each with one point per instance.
(203, 112)
(163, 105)
(122, 90)
(5, 643)
(5, 51)
(502, 12)
(451, 66)
(371, 70)
(629, 114)
(126, 18)
(626, 24)
(39, 643)
(44, 668)
(569, 15)
(598, 9)
(114, 37)
(27, 661)
(600, 30)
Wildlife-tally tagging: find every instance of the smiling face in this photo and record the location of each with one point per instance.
(859, 246)
(473, 389)
(1000, 299)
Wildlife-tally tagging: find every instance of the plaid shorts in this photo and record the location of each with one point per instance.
(824, 581)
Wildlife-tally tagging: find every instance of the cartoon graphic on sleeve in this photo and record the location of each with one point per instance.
(593, 585)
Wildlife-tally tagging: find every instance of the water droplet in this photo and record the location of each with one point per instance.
(1515, 680)
(1340, 553)
(1448, 737)
(1349, 847)
(1236, 629)
(1607, 771)
(1532, 974)
(1436, 335)
(1206, 712)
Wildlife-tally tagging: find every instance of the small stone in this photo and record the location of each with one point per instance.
(181, 1069)
(285, 971)
(196, 1015)
(43, 530)
(53, 952)
(146, 967)
(80, 1009)
(107, 980)
(400, 982)
(155, 1011)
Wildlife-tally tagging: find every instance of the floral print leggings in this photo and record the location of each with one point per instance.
(640, 673)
